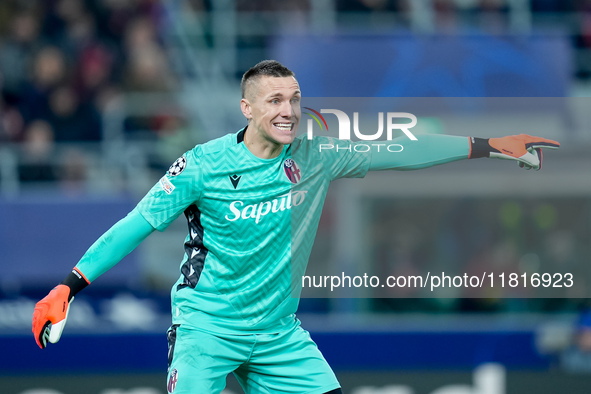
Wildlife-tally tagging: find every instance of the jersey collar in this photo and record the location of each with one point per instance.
(240, 136)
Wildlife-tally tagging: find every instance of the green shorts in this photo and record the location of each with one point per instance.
(285, 362)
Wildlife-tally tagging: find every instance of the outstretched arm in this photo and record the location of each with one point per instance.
(114, 245)
(167, 199)
(51, 312)
(432, 149)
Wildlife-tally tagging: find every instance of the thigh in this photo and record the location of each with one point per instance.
(199, 361)
(287, 362)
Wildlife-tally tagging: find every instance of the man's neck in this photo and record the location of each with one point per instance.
(260, 147)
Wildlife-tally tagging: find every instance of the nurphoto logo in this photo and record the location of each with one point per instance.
(345, 124)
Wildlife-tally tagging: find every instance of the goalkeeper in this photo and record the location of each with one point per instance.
(232, 306)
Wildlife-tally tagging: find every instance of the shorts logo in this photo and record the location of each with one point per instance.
(174, 377)
(178, 166)
(166, 185)
(292, 170)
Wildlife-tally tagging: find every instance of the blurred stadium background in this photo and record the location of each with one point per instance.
(98, 97)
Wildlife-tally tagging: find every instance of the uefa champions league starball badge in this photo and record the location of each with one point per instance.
(178, 166)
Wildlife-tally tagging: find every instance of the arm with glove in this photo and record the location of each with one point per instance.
(155, 211)
(433, 149)
(51, 313)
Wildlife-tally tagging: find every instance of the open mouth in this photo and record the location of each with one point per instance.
(283, 126)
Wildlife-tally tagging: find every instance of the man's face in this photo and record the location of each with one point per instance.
(273, 107)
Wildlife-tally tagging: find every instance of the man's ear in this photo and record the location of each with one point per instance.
(246, 109)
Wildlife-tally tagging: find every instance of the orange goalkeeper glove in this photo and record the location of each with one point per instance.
(527, 150)
(51, 313)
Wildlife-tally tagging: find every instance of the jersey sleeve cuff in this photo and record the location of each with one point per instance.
(76, 281)
(479, 147)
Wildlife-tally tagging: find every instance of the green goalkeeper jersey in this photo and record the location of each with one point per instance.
(251, 226)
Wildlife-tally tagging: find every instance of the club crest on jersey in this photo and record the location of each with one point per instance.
(174, 377)
(178, 166)
(292, 170)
